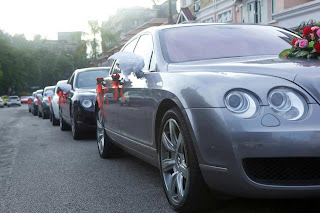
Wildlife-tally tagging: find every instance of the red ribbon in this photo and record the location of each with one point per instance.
(116, 85)
(100, 99)
(30, 101)
(49, 100)
(60, 94)
(38, 101)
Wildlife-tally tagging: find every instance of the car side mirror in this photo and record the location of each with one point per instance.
(65, 88)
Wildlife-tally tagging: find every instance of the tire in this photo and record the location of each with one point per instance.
(75, 129)
(39, 114)
(182, 168)
(63, 125)
(55, 122)
(29, 110)
(105, 146)
(50, 116)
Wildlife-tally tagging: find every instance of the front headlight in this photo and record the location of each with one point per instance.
(288, 103)
(86, 103)
(241, 103)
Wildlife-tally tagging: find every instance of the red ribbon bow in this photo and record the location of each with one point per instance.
(49, 100)
(60, 94)
(116, 85)
(100, 99)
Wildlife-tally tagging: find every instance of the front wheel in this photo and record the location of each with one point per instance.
(105, 147)
(76, 131)
(63, 125)
(181, 177)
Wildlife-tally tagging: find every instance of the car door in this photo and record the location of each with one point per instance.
(133, 109)
(112, 121)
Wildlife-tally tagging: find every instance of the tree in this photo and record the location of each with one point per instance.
(108, 39)
(95, 30)
(1, 73)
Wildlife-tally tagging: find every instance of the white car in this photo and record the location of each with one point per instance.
(1, 103)
(13, 100)
(54, 107)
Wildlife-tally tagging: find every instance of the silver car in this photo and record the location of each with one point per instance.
(1, 103)
(13, 101)
(220, 111)
(54, 106)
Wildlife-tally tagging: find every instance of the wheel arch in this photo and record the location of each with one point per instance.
(163, 107)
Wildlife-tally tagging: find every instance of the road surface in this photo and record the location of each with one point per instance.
(42, 169)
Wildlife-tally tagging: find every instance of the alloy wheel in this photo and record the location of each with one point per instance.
(175, 171)
(100, 132)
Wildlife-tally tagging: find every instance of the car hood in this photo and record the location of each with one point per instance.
(305, 73)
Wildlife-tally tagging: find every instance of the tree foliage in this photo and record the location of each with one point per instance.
(28, 65)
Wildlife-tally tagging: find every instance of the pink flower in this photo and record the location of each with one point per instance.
(315, 28)
(303, 43)
(296, 44)
(318, 32)
(312, 36)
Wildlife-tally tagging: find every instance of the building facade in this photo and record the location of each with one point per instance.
(286, 13)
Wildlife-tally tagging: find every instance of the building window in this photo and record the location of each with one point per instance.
(208, 20)
(225, 16)
(273, 6)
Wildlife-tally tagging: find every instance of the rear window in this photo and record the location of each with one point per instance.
(13, 97)
(204, 42)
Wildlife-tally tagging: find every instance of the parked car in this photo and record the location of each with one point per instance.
(44, 107)
(30, 101)
(221, 111)
(78, 109)
(24, 99)
(5, 99)
(1, 103)
(13, 101)
(54, 105)
(36, 102)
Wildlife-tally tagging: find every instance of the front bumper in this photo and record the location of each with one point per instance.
(224, 143)
(86, 117)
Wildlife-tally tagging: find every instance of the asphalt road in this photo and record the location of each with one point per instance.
(42, 169)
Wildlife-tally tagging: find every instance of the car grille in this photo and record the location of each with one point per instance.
(283, 171)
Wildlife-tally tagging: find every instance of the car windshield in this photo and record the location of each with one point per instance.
(204, 42)
(88, 79)
(13, 98)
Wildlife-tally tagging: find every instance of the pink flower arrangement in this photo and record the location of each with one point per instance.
(306, 46)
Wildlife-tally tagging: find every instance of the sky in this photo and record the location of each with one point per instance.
(47, 17)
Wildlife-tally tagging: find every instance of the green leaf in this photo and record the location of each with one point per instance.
(319, 57)
(311, 44)
(285, 52)
(302, 53)
(309, 55)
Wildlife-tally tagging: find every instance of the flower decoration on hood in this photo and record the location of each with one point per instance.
(306, 46)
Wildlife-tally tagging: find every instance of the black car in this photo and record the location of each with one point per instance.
(44, 107)
(36, 102)
(77, 108)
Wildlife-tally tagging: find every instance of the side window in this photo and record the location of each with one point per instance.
(130, 47)
(145, 49)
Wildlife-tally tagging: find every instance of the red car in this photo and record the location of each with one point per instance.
(24, 99)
